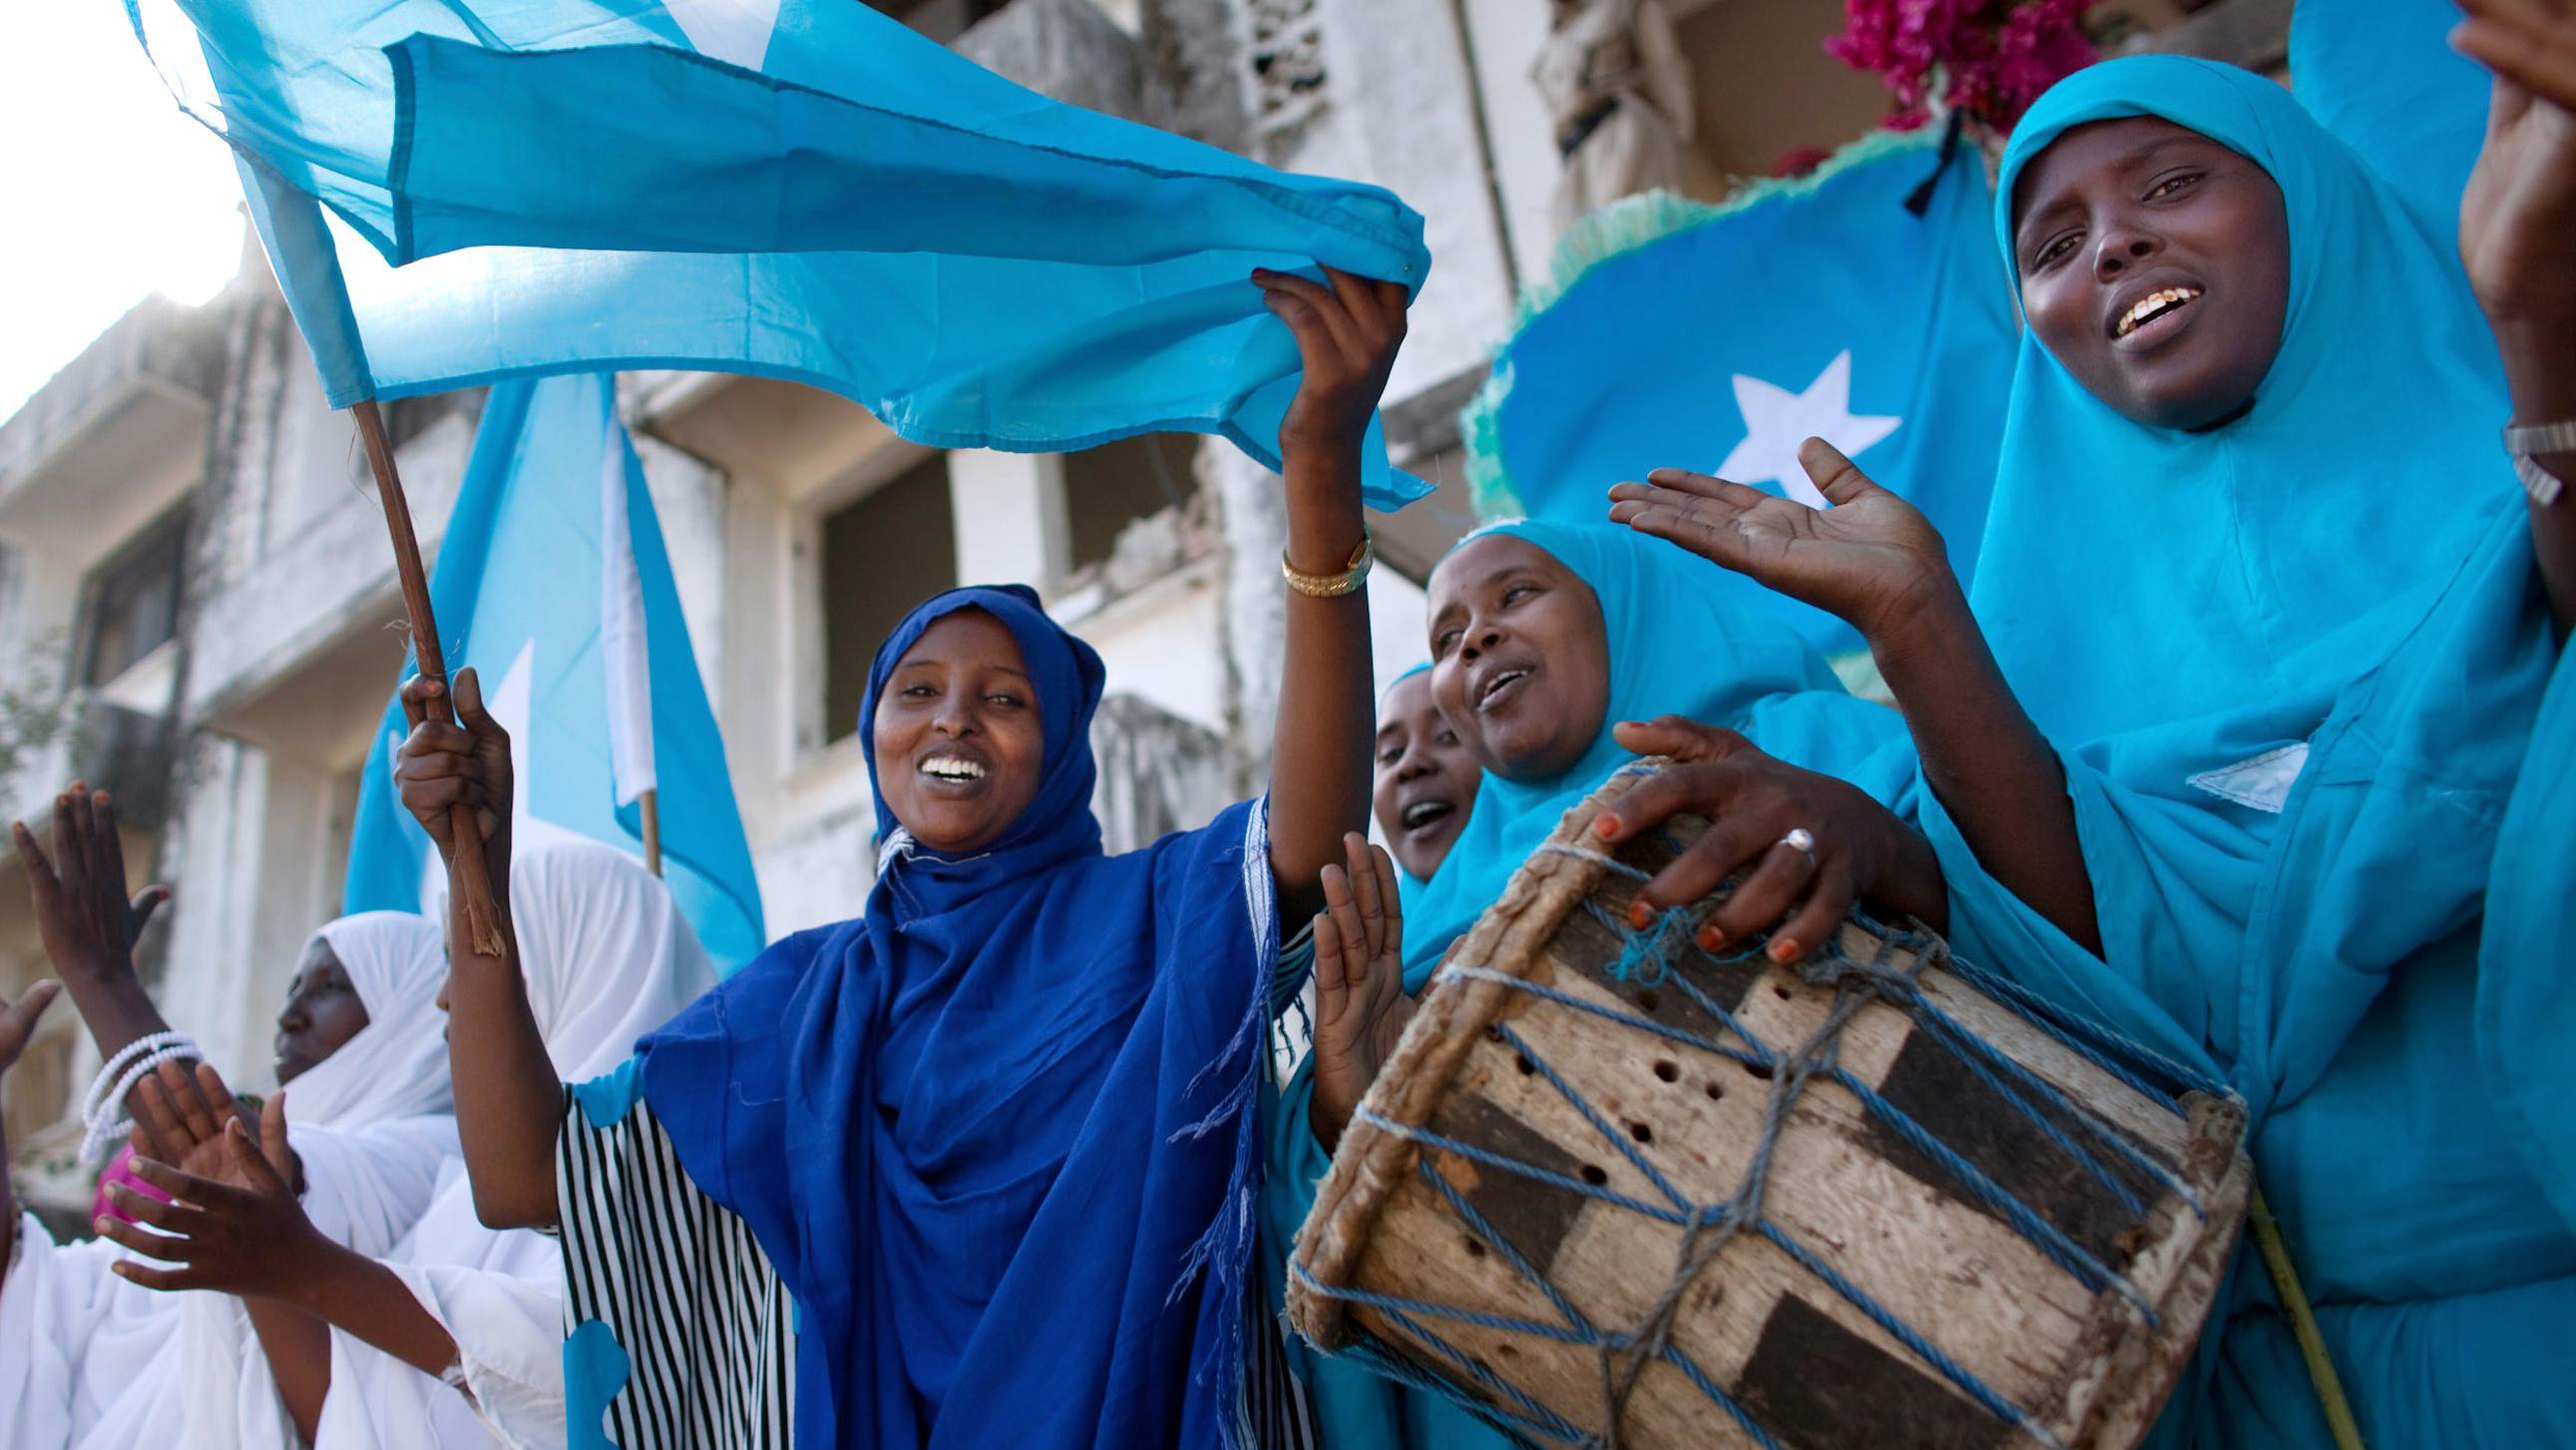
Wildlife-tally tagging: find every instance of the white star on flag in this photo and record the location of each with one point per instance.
(1776, 421)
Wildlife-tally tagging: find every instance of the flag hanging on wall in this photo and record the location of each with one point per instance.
(804, 189)
(1864, 304)
(552, 582)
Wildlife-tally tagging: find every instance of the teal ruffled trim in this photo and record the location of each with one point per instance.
(1627, 225)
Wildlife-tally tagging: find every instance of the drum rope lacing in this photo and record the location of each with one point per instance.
(1645, 957)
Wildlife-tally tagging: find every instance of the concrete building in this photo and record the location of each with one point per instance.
(197, 607)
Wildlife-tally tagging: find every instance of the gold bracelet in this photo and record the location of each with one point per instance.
(1331, 586)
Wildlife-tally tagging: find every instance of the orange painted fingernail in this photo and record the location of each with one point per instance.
(1639, 913)
(1604, 825)
(1784, 949)
(1710, 938)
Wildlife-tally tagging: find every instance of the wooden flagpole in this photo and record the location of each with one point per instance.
(649, 804)
(468, 879)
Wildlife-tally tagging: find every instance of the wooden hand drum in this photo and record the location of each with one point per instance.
(1612, 1189)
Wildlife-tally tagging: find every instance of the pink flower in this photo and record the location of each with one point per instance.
(1989, 59)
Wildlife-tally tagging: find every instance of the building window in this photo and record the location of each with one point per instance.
(1284, 49)
(1109, 487)
(882, 555)
(133, 600)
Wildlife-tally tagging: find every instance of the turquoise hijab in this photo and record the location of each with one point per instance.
(2271, 555)
(2294, 667)
(1677, 647)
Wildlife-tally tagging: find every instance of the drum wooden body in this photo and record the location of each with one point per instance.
(1974, 1224)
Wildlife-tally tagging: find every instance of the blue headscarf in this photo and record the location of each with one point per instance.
(992, 1131)
(2272, 555)
(2292, 666)
(1677, 647)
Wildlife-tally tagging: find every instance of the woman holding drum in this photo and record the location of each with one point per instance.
(2263, 648)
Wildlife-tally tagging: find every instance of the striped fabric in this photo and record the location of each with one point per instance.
(707, 1328)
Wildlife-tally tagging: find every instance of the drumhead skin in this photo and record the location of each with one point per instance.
(1866, 1199)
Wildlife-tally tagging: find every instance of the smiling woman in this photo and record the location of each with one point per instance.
(1425, 781)
(2155, 265)
(959, 743)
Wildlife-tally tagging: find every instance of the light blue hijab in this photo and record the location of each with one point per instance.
(1677, 647)
(2283, 551)
(2293, 666)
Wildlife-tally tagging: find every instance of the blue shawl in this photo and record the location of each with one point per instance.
(991, 1131)
(2292, 666)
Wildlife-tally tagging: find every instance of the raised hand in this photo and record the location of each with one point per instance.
(1360, 1006)
(2530, 42)
(2520, 205)
(1348, 330)
(1854, 848)
(1867, 560)
(83, 915)
(241, 1233)
(17, 1028)
(442, 762)
(18, 1021)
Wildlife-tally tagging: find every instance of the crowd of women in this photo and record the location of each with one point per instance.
(2251, 742)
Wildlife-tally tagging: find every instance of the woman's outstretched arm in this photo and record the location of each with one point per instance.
(1874, 562)
(509, 1103)
(1348, 329)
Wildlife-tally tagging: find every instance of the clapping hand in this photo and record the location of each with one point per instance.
(1868, 560)
(1360, 1006)
(179, 1117)
(239, 1230)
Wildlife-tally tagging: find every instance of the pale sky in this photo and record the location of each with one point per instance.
(107, 192)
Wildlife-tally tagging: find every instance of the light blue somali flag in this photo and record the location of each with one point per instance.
(1717, 339)
(553, 584)
(803, 189)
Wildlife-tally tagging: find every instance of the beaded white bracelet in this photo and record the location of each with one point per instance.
(115, 1067)
(108, 1118)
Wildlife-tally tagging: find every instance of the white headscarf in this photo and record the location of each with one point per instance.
(607, 957)
(396, 1065)
(89, 1360)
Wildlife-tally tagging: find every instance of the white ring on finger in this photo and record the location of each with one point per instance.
(1800, 839)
